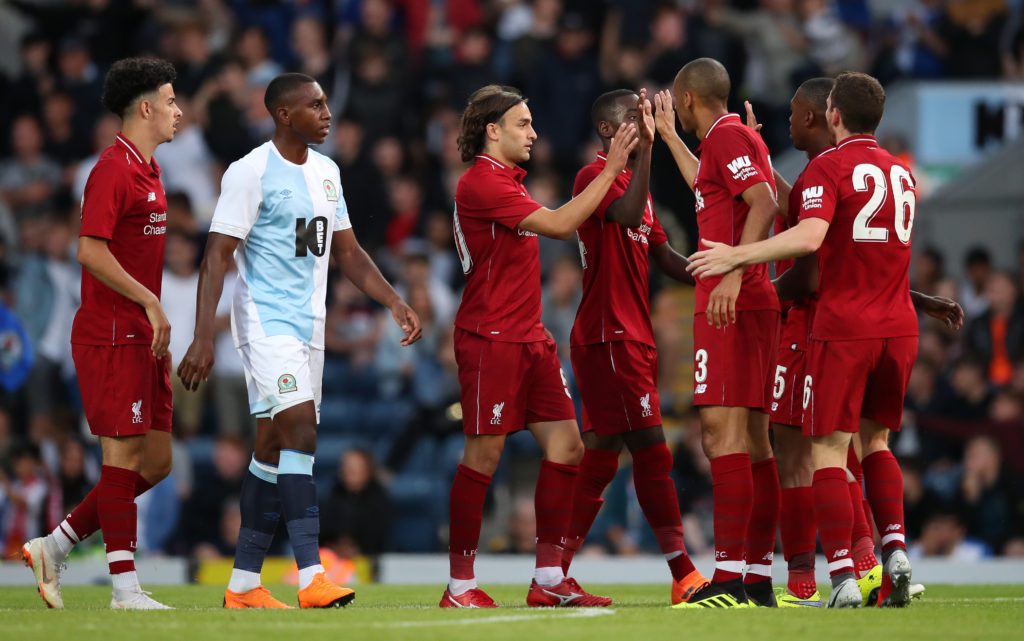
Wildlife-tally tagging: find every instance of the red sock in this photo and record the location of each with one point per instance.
(657, 496)
(853, 464)
(764, 521)
(798, 533)
(834, 514)
(465, 509)
(862, 543)
(552, 501)
(884, 483)
(85, 520)
(115, 502)
(597, 469)
(733, 494)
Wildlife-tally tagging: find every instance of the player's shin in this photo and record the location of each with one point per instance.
(597, 469)
(552, 499)
(657, 496)
(301, 512)
(465, 505)
(260, 504)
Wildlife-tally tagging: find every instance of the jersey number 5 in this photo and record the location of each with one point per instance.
(903, 195)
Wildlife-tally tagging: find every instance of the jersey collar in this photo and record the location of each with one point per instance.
(723, 117)
(517, 173)
(135, 155)
(859, 139)
(603, 157)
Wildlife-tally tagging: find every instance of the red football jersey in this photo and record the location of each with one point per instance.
(798, 314)
(124, 203)
(732, 159)
(869, 199)
(615, 304)
(501, 301)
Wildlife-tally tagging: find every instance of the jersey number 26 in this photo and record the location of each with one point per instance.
(904, 197)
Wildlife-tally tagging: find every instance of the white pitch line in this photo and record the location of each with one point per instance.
(975, 599)
(505, 618)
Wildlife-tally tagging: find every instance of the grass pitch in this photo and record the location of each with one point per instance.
(989, 613)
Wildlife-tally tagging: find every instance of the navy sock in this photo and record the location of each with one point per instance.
(299, 506)
(261, 510)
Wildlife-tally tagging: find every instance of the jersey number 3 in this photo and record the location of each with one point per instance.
(905, 199)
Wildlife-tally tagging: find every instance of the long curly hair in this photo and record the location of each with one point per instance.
(132, 77)
(486, 105)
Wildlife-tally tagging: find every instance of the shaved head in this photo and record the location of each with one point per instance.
(280, 90)
(609, 107)
(706, 79)
(814, 94)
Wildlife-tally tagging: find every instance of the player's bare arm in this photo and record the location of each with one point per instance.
(195, 366)
(665, 121)
(720, 258)
(94, 255)
(628, 209)
(562, 223)
(672, 263)
(945, 309)
(799, 280)
(763, 209)
(361, 270)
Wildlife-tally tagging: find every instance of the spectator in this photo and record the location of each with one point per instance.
(559, 301)
(927, 271)
(832, 46)
(996, 337)
(988, 493)
(25, 495)
(64, 144)
(80, 78)
(186, 165)
(77, 475)
(180, 282)
(218, 487)
(972, 32)
(252, 46)
(944, 535)
(356, 516)
(977, 269)
(227, 378)
(28, 181)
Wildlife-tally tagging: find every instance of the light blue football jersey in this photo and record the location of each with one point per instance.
(285, 215)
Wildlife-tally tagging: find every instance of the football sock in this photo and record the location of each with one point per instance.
(863, 545)
(884, 483)
(458, 587)
(299, 506)
(84, 520)
(306, 575)
(764, 521)
(465, 506)
(733, 494)
(552, 501)
(597, 469)
(115, 502)
(798, 538)
(260, 504)
(857, 470)
(657, 496)
(834, 514)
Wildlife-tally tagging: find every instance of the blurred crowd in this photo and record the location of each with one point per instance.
(397, 73)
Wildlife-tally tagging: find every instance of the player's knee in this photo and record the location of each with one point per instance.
(157, 470)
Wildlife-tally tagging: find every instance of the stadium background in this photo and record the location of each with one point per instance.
(397, 74)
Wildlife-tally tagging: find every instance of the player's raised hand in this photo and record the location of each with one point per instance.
(722, 300)
(717, 259)
(647, 126)
(623, 143)
(161, 328)
(751, 119)
(195, 367)
(664, 113)
(945, 309)
(407, 319)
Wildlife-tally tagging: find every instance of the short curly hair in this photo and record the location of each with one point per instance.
(132, 77)
(486, 105)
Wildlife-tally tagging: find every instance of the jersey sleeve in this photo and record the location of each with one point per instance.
(657, 235)
(735, 159)
(239, 204)
(502, 201)
(106, 195)
(583, 180)
(819, 192)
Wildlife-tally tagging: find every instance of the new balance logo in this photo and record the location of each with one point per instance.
(703, 387)
(841, 553)
(496, 413)
(151, 197)
(894, 527)
(700, 200)
(645, 405)
(137, 411)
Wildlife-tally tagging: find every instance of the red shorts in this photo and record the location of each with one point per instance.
(787, 385)
(848, 380)
(507, 385)
(125, 390)
(732, 367)
(618, 385)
